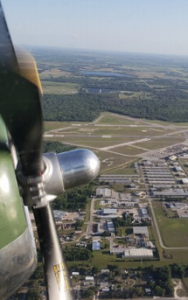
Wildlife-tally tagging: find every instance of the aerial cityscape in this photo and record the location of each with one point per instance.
(125, 234)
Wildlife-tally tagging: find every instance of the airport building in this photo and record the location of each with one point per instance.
(109, 211)
(110, 226)
(143, 230)
(138, 253)
(96, 245)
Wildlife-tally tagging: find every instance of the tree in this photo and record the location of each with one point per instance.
(87, 293)
(95, 270)
(178, 270)
(159, 291)
(78, 224)
(112, 268)
(163, 273)
(106, 233)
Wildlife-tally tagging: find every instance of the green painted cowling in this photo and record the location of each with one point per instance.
(17, 248)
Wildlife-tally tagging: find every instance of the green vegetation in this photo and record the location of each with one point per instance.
(125, 221)
(161, 142)
(129, 150)
(117, 120)
(54, 125)
(56, 147)
(178, 226)
(86, 107)
(75, 253)
(75, 198)
(88, 293)
(59, 88)
(163, 285)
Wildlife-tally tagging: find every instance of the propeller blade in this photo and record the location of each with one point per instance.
(8, 57)
(20, 102)
(57, 278)
(20, 107)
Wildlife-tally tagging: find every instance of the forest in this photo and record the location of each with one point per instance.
(56, 147)
(169, 105)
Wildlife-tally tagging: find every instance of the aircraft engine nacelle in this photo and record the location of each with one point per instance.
(61, 172)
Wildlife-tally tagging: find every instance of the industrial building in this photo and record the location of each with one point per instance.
(59, 214)
(116, 178)
(117, 250)
(109, 211)
(96, 245)
(171, 193)
(110, 226)
(157, 173)
(141, 230)
(104, 192)
(138, 252)
(184, 180)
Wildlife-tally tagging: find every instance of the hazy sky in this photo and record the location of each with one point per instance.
(150, 26)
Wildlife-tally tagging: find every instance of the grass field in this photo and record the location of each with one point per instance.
(97, 204)
(109, 118)
(55, 125)
(102, 259)
(53, 73)
(135, 95)
(121, 130)
(51, 87)
(95, 142)
(122, 171)
(87, 216)
(111, 162)
(129, 150)
(164, 123)
(161, 143)
(128, 130)
(114, 119)
(117, 120)
(174, 231)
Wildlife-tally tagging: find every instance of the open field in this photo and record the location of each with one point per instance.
(89, 142)
(87, 216)
(97, 204)
(111, 162)
(50, 87)
(115, 119)
(129, 150)
(96, 142)
(164, 123)
(138, 130)
(102, 260)
(135, 95)
(122, 171)
(108, 118)
(55, 125)
(174, 231)
(53, 73)
(124, 130)
(161, 143)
